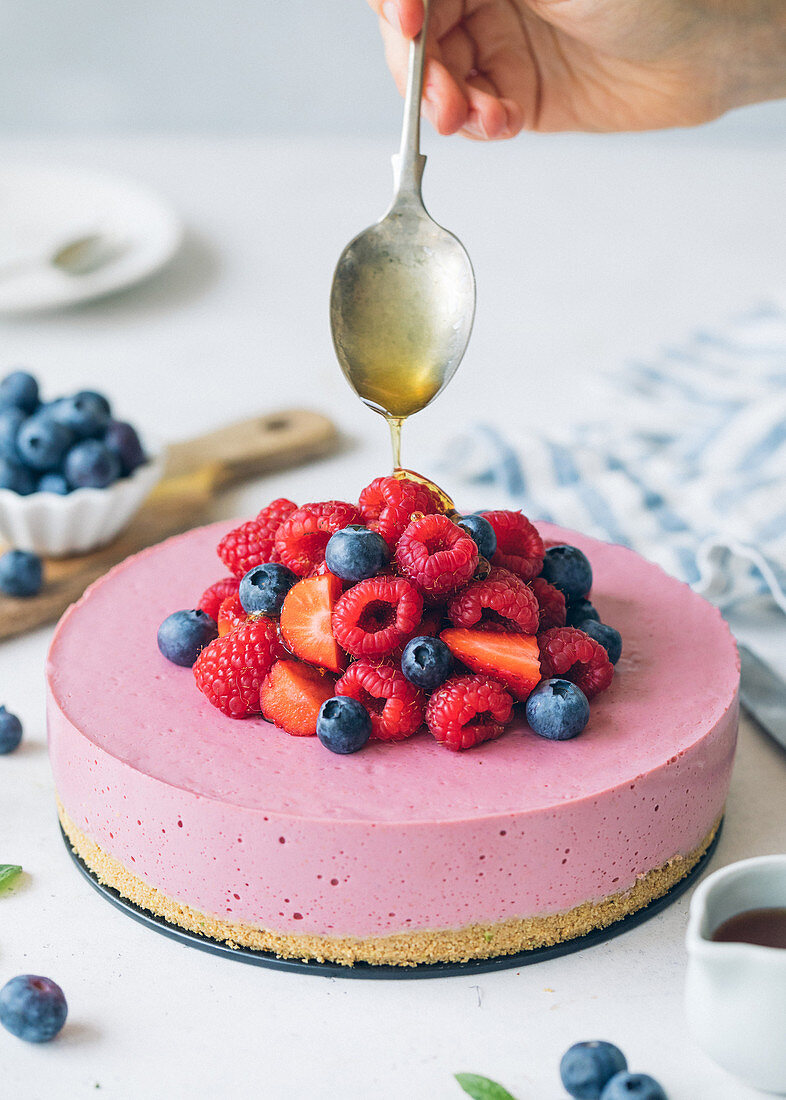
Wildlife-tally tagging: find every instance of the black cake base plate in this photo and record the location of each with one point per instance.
(366, 970)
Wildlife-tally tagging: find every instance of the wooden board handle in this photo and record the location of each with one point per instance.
(248, 448)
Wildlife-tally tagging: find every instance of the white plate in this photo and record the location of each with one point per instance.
(41, 208)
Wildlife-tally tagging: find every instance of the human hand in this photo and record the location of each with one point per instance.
(495, 67)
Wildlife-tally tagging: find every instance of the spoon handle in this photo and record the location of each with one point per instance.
(409, 162)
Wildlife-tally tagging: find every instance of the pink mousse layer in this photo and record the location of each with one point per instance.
(244, 822)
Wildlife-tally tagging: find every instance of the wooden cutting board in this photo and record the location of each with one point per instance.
(195, 471)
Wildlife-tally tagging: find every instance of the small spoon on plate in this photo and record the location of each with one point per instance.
(79, 255)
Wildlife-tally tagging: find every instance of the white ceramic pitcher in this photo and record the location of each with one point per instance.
(735, 993)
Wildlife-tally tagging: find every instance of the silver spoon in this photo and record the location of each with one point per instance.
(403, 295)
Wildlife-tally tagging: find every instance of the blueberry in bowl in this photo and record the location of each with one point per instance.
(72, 475)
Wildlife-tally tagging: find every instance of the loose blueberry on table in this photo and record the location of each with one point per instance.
(10, 731)
(633, 1086)
(589, 1071)
(21, 573)
(373, 621)
(32, 1008)
(586, 1068)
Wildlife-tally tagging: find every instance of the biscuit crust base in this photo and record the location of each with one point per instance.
(475, 941)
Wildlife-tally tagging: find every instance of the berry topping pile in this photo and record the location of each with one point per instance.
(379, 620)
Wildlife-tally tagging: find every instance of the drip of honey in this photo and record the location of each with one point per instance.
(447, 502)
(395, 424)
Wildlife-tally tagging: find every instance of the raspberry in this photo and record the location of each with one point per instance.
(252, 543)
(396, 706)
(551, 602)
(212, 598)
(387, 505)
(572, 654)
(230, 671)
(274, 514)
(302, 537)
(519, 546)
(376, 615)
(437, 555)
(231, 613)
(467, 710)
(501, 599)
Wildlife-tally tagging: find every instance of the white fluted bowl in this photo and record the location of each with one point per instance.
(57, 526)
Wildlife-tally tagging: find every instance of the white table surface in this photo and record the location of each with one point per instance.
(587, 250)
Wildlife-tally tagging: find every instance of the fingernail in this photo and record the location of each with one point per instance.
(390, 14)
(474, 125)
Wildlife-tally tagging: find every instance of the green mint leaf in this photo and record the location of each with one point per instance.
(481, 1088)
(8, 872)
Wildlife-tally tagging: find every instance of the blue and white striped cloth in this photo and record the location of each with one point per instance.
(689, 467)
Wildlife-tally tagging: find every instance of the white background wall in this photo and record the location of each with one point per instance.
(266, 66)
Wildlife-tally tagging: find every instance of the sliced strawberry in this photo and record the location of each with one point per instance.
(306, 622)
(292, 694)
(231, 613)
(511, 659)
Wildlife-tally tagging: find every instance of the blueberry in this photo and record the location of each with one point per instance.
(16, 477)
(86, 414)
(11, 420)
(586, 1067)
(32, 1008)
(10, 731)
(482, 533)
(609, 638)
(41, 442)
(21, 573)
(91, 464)
(426, 662)
(122, 438)
(53, 483)
(355, 553)
(99, 399)
(20, 389)
(263, 588)
(633, 1086)
(343, 725)
(569, 570)
(579, 611)
(184, 634)
(557, 710)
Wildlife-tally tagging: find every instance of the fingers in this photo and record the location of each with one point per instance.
(456, 99)
(444, 102)
(487, 119)
(404, 16)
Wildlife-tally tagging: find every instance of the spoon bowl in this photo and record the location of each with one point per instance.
(401, 310)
